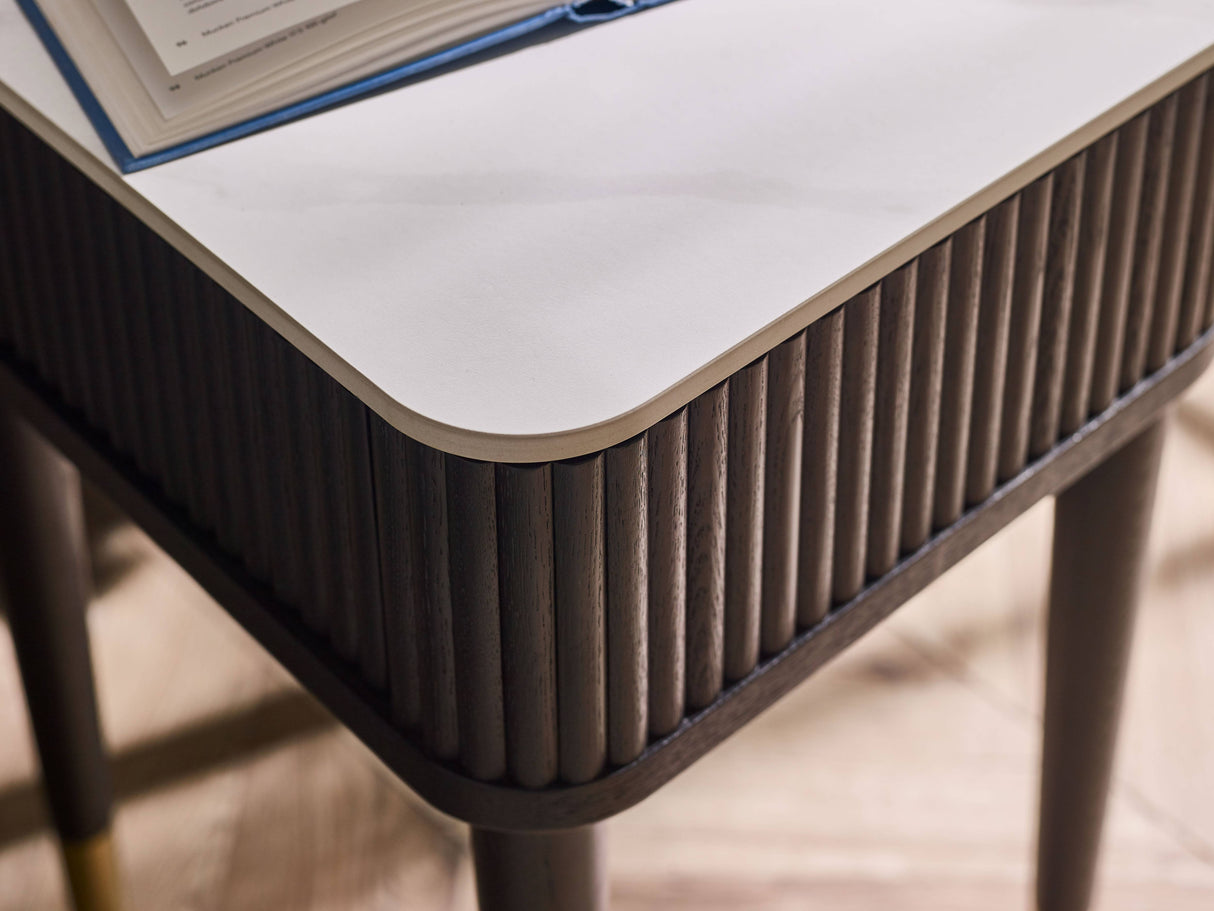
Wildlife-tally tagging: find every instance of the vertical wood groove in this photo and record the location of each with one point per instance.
(1057, 303)
(1119, 261)
(528, 617)
(926, 388)
(1201, 240)
(1178, 218)
(957, 386)
(476, 624)
(820, 454)
(627, 514)
(1093, 243)
(890, 407)
(1148, 246)
(782, 493)
(990, 362)
(861, 320)
(744, 518)
(667, 457)
(441, 688)
(1024, 325)
(400, 559)
(580, 586)
(707, 445)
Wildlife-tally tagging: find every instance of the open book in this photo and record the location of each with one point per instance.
(163, 78)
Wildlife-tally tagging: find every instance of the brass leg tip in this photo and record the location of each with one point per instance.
(92, 874)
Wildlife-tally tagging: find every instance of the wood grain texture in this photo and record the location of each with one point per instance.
(1128, 182)
(744, 518)
(1201, 239)
(1148, 246)
(581, 593)
(402, 567)
(476, 623)
(358, 538)
(1024, 325)
(890, 408)
(528, 618)
(627, 515)
(990, 360)
(1094, 223)
(667, 527)
(1058, 293)
(820, 459)
(957, 385)
(926, 388)
(782, 493)
(1177, 228)
(498, 805)
(437, 668)
(707, 467)
(861, 327)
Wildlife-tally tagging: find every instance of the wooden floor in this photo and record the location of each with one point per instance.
(901, 777)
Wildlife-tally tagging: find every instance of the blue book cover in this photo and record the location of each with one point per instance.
(553, 23)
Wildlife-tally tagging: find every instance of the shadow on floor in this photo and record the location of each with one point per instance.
(103, 523)
(207, 746)
(1197, 421)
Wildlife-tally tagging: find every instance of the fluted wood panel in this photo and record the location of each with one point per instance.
(926, 390)
(782, 493)
(707, 445)
(819, 467)
(861, 321)
(1178, 217)
(528, 614)
(581, 643)
(476, 623)
(667, 572)
(1201, 237)
(957, 385)
(991, 349)
(890, 405)
(1024, 332)
(543, 624)
(627, 516)
(1058, 303)
(1149, 237)
(744, 518)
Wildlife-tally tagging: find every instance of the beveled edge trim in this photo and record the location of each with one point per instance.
(604, 434)
(496, 806)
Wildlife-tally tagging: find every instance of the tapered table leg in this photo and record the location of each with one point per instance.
(540, 871)
(42, 583)
(1101, 525)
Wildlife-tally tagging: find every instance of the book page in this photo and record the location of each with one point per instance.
(189, 33)
(175, 94)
